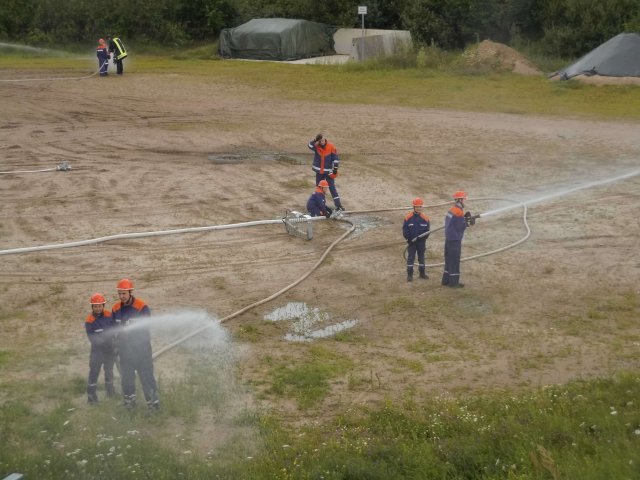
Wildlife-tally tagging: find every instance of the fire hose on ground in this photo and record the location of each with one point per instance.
(61, 167)
(327, 251)
(51, 79)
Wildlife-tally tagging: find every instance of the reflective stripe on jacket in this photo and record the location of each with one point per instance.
(117, 47)
(325, 159)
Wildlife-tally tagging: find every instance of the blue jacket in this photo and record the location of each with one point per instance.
(325, 159)
(317, 204)
(415, 223)
(454, 224)
(99, 330)
(124, 316)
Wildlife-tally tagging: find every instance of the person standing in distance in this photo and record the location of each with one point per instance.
(455, 223)
(415, 230)
(130, 315)
(325, 164)
(102, 52)
(116, 48)
(99, 327)
(316, 205)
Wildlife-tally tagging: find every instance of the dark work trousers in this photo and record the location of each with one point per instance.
(418, 247)
(119, 67)
(103, 63)
(137, 357)
(98, 358)
(452, 253)
(332, 187)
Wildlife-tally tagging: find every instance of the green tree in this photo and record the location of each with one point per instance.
(444, 23)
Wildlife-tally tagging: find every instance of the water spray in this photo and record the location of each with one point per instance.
(562, 193)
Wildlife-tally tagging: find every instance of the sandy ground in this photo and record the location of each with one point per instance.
(561, 306)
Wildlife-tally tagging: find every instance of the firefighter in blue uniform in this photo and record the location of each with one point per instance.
(116, 48)
(102, 52)
(317, 205)
(415, 230)
(134, 346)
(455, 223)
(99, 326)
(325, 164)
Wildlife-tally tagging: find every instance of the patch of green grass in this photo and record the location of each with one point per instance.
(248, 333)
(308, 380)
(398, 304)
(414, 366)
(585, 429)
(412, 86)
(297, 184)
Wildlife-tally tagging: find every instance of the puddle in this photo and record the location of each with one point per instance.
(260, 157)
(364, 223)
(321, 333)
(307, 323)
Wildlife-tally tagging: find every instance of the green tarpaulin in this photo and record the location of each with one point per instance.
(277, 39)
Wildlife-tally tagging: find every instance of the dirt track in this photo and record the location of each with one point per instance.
(556, 308)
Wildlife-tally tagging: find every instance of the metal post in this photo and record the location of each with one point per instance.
(362, 10)
(363, 55)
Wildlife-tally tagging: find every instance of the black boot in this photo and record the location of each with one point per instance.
(153, 402)
(129, 401)
(423, 274)
(92, 394)
(409, 274)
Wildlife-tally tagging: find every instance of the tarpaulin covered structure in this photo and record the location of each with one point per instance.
(277, 39)
(617, 57)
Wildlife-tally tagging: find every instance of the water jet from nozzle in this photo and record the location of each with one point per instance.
(562, 193)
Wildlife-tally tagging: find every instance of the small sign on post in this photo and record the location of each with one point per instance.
(362, 10)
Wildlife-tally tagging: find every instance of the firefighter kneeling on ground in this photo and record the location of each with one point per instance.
(415, 230)
(99, 326)
(317, 203)
(134, 346)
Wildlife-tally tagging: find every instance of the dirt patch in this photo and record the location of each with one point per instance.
(559, 307)
(488, 55)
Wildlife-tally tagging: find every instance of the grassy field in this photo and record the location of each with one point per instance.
(379, 84)
(582, 430)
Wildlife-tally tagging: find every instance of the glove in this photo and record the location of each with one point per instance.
(329, 212)
(469, 219)
(334, 173)
(318, 137)
(409, 242)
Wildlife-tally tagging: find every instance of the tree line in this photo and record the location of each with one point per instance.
(566, 28)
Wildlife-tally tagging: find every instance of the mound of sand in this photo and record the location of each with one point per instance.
(488, 55)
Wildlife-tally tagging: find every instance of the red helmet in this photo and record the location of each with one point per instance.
(460, 194)
(125, 284)
(97, 299)
(418, 202)
(323, 183)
